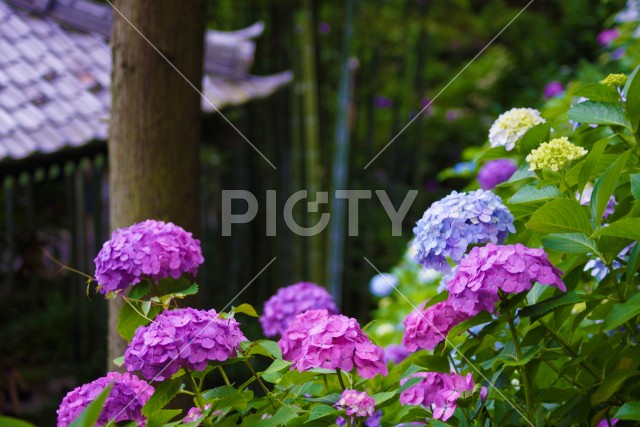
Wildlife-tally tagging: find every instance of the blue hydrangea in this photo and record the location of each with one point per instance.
(383, 284)
(450, 225)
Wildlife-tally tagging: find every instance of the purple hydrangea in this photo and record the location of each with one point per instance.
(605, 37)
(396, 353)
(288, 302)
(297, 332)
(436, 391)
(124, 403)
(488, 269)
(195, 414)
(450, 225)
(552, 89)
(427, 328)
(183, 338)
(337, 342)
(356, 403)
(153, 249)
(495, 172)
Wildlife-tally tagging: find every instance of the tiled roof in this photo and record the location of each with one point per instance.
(55, 67)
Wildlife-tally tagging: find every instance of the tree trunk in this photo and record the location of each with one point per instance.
(155, 120)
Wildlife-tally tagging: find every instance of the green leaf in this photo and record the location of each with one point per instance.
(264, 347)
(633, 100)
(129, 319)
(145, 306)
(633, 263)
(523, 173)
(630, 79)
(179, 287)
(531, 193)
(611, 384)
(162, 417)
(629, 411)
(605, 186)
(560, 216)
(321, 410)
(118, 361)
(14, 422)
(164, 392)
(507, 357)
(383, 397)
(545, 307)
(283, 415)
(599, 113)
(246, 309)
(591, 161)
(89, 416)
(479, 319)
(626, 228)
(533, 138)
(139, 291)
(635, 185)
(597, 92)
(622, 313)
(570, 243)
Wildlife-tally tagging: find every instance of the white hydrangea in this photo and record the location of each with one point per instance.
(512, 125)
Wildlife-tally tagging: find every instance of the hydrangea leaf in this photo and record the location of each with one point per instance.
(164, 392)
(560, 216)
(14, 422)
(612, 383)
(633, 100)
(634, 262)
(479, 319)
(246, 309)
(626, 228)
(590, 162)
(635, 185)
(545, 307)
(383, 397)
(321, 410)
(533, 138)
(599, 113)
(162, 417)
(283, 415)
(264, 347)
(597, 92)
(571, 243)
(89, 416)
(605, 186)
(629, 411)
(508, 357)
(622, 313)
(531, 193)
(131, 318)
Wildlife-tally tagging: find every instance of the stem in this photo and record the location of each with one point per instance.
(264, 387)
(339, 373)
(224, 375)
(198, 396)
(326, 383)
(523, 373)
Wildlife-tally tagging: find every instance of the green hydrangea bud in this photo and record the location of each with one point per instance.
(614, 80)
(554, 154)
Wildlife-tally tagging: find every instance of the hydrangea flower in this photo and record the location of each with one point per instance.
(427, 328)
(124, 403)
(373, 421)
(337, 342)
(153, 249)
(183, 338)
(585, 200)
(554, 154)
(492, 268)
(195, 414)
(297, 332)
(552, 89)
(512, 125)
(356, 403)
(383, 284)
(598, 269)
(450, 225)
(614, 80)
(437, 391)
(396, 353)
(605, 37)
(495, 172)
(288, 302)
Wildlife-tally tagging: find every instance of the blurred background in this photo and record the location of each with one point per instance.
(373, 66)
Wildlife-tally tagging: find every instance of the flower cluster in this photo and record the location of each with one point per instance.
(184, 338)
(492, 268)
(395, 353)
(614, 80)
(332, 342)
(288, 302)
(356, 403)
(124, 403)
(438, 391)
(297, 332)
(554, 154)
(450, 225)
(512, 125)
(552, 89)
(495, 172)
(427, 328)
(195, 414)
(152, 249)
(383, 284)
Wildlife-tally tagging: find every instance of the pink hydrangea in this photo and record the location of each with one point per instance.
(492, 268)
(297, 332)
(396, 353)
(195, 414)
(337, 342)
(288, 302)
(356, 403)
(427, 328)
(153, 249)
(184, 338)
(124, 403)
(436, 391)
